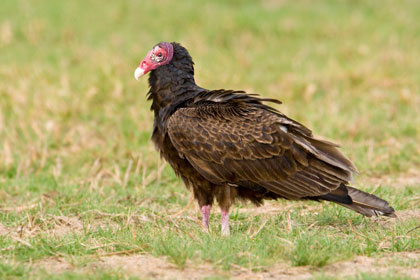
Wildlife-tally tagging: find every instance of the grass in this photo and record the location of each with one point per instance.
(81, 181)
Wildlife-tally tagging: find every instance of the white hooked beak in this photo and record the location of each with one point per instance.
(138, 73)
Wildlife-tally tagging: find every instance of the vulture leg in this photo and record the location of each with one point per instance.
(225, 222)
(225, 196)
(205, 211)
(204, 196)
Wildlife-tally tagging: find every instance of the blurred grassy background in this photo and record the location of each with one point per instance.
(75, 125)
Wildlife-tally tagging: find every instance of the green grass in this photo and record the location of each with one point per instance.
(80, 178)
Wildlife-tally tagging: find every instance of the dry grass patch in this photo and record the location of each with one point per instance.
(142, 266)
(400, 180)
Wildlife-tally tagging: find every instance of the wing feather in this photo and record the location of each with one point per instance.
(230, 141)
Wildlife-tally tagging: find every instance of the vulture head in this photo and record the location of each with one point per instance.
(161, 54)
(171, 55)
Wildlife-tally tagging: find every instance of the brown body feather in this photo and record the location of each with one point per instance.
(227, 145)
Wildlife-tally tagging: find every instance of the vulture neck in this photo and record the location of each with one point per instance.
(169, 88)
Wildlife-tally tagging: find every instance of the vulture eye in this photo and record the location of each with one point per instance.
(159, 57)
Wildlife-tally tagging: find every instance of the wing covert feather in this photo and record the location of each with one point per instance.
(230, 145)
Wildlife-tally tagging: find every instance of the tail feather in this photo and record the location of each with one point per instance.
(369, 204)
(366, 204)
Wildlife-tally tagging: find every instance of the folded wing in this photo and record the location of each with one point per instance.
(235, 138)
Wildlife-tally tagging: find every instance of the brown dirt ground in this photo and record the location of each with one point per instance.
(145, 266)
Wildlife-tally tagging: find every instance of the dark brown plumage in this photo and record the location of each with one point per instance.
(229, 145)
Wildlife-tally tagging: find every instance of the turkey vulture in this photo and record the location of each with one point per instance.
(228, 145)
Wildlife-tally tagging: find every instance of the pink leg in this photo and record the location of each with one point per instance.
(225, 222)
(205, 211)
